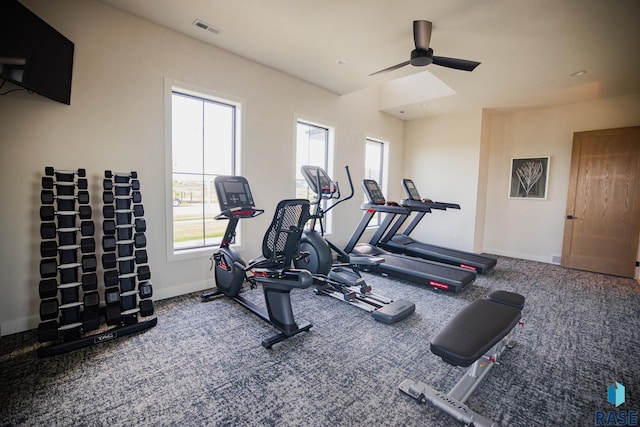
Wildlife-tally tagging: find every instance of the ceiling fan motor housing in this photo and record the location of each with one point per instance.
(421, 57)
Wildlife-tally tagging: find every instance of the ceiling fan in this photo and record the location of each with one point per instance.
(423, 55)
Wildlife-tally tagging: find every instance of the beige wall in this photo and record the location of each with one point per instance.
(466, 158)
(533, 229)
(117, 121)
(442, 157)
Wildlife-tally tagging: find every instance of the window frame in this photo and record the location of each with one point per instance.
(329, 157)
(382, 179)
(171, 86)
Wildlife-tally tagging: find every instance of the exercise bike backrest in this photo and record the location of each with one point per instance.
(281, 241)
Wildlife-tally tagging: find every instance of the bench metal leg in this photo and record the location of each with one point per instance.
(453, 403)
(424, 393)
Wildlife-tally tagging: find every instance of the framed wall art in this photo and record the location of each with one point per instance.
(529, 178)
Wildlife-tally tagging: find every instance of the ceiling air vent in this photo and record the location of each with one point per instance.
(205, 26)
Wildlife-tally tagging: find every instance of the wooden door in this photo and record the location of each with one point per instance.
(602, 224)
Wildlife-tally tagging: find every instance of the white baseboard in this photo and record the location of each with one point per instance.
(182, 289)
(531, 257)
(26, 323)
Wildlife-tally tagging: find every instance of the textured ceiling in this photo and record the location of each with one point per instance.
(527, 48)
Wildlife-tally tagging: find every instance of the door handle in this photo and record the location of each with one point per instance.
(571, 217)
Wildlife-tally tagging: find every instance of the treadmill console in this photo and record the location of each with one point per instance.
(410, 189)
(233, 192)
(373, 192)
(314, 175)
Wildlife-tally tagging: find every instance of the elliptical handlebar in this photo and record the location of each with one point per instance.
(351, 191)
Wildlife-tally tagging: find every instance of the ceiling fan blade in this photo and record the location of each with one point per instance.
(458, 64)
(422, 34)
(395, 67)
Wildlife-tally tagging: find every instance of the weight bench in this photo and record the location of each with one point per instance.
(475, 337)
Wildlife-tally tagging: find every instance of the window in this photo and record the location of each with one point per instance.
(204, 141)
(373, 168)
(314, 144)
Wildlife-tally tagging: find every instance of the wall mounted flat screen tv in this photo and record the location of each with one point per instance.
(33, 54)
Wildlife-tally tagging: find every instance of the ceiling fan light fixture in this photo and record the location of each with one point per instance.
(421, 57)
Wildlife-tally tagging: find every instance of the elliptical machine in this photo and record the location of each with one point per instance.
(273, 269)
(341, 281)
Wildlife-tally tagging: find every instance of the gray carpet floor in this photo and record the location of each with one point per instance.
(203, 363)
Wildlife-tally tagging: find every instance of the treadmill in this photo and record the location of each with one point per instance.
(439, 276)
(403, 244)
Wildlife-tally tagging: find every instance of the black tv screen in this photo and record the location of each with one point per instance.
(33, 54)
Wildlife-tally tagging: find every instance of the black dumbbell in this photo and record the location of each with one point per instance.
(125, 247)
(109, 211)
(140, 240)
(49, 267)
(48, 213)
(109, 227)
(91, 319)
(109, 259)
(140, 225)
(49, 308)
(48, 288)
(108, 174)
(50, 171)
(89, 282)
(47, 197)
(110, 278)
(49, 248)
(146, 307)
(143, 272)
(145, 290)
(48, 331)
(91, 299)
(107, 184)
(48, 230)
(112, 296)
(112, 314)
(48, 183)
(108, 243)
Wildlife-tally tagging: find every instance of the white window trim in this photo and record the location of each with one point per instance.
(169, 86)
(385, 165)
(331, 127)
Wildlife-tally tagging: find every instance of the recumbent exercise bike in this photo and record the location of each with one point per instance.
(273, 269)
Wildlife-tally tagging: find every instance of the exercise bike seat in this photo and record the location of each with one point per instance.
(476, 329)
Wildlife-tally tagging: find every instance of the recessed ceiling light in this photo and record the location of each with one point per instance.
(342, 61)
(578, 73)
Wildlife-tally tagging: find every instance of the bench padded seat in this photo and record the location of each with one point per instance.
(473, 331)
(509, 298)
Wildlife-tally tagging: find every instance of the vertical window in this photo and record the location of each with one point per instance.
(203, 146)
(313, 147)
(374, 167)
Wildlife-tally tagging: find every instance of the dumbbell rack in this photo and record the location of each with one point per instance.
(71, 320)
(128, 289)
(64, 314)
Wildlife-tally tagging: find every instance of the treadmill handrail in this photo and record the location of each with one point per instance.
(396, 209)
